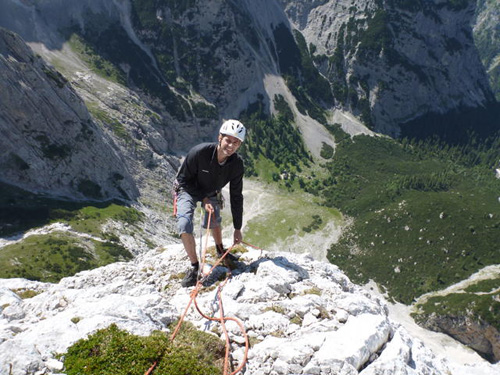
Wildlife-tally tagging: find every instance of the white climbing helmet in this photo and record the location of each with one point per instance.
(233, 128)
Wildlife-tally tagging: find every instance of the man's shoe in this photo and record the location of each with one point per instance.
(229, 256)
(230, 260)
(191, 278)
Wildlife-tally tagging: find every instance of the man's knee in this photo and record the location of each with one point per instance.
(184, 224)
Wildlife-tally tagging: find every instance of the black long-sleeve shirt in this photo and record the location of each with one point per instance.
(202, 176)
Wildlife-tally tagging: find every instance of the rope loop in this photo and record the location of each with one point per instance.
(222, 318)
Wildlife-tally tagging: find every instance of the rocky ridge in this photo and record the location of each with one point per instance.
(303, 316)
(81, 135)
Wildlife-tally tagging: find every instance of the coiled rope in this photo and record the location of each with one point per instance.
(222, 319)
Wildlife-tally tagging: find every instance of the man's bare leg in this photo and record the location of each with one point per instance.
(190, 246)
(217, 235)
(229, 259)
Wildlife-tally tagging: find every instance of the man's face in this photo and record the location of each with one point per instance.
(229, 144)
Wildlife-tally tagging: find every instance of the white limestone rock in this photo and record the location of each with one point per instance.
(330, 327)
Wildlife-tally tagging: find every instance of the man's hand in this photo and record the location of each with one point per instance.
(208, 206)
(237, 237)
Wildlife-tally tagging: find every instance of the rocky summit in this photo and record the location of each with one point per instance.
(302, 316)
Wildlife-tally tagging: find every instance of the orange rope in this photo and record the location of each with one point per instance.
(255, 247)
(222, 319)
(150, 370)
(174, 213)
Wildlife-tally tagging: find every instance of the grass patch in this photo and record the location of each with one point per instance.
(90, 219)
(276, 308)
(51, 257)
(26, 293)
(295, 215)
(115, 351)
(95, 61)
(268, 171)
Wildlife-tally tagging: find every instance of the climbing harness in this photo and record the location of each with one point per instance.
(220, 199)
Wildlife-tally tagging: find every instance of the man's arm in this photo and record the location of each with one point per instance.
(237, 236)
(236, 197)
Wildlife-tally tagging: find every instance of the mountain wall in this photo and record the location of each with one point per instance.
(482, 337)
(487, 37)
(383, 61)
(49, 143)
(390, 62)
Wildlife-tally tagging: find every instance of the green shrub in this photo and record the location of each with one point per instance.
(283, 108)
(26, 293)
(326, 151)
(112, 351)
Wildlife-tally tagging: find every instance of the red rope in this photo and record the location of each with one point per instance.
(222, 319)
(174, 213)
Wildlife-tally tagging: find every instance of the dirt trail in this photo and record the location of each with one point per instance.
(488, 272)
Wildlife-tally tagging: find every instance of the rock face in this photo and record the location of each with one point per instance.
(304, 317)
(483, 338)
(387, 62)
(49, 143)
(487, 36)
(391, 62)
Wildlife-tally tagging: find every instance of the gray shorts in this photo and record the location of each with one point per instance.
(186, 205)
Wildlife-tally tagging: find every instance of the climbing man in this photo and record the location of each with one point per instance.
(207, 168)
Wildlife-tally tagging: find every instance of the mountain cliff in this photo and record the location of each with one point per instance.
(393, 61)
(50, 143)
(487, 36)
(386, 62)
